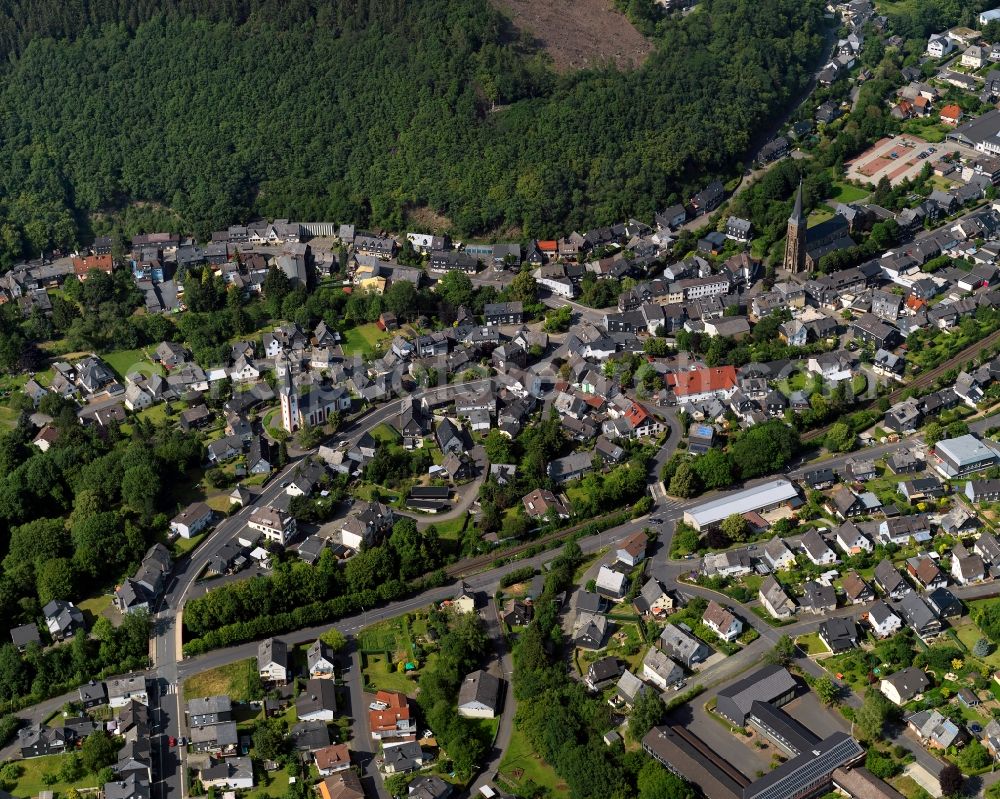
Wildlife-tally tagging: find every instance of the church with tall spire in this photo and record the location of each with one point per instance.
(795, 238)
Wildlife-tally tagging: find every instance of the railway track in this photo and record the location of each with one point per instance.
(922, 380)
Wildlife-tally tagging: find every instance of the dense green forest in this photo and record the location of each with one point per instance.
(363, 110)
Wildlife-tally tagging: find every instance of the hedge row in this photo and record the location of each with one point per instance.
(309, 615)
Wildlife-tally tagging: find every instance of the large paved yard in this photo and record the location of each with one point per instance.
(895, 158)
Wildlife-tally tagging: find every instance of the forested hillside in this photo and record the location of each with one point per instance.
(363, 110)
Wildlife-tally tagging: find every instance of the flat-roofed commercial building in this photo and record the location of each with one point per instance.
(759, 499)
(957, 457)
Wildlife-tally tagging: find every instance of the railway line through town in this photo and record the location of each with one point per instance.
(922, 380)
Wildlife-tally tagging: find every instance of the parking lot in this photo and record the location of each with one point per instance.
(898, 158)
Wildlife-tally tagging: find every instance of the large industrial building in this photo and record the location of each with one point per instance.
(759, 499)
(965, 455)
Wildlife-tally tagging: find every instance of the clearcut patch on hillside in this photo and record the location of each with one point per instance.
(579, 33)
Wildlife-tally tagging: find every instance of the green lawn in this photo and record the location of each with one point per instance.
(846, 193)
(811, 644)
(388, 643)
(382, 678)
(8, 416)
(155, 413)
(364, 337)
(451, 529)
(386, 434)
(928, 129)
(274, 783)
(521, 766)
(125, 361)
(968, 633)
(238, 680)
(95, 606)
(182, 546)
(272, 423)
(31, 781)
(366, 492)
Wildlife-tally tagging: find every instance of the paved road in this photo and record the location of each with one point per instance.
(168, 619)
(502, 666)
(169, 671)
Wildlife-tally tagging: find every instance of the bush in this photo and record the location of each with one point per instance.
(521, 575)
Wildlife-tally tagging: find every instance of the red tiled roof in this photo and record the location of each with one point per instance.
(636, 415)
(81, 266)
(717, 378)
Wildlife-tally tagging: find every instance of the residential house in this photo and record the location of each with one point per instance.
(62, 619)
(192, 520)
(276, 525)
(856, 590)
(612, 584)
(966, 567)
(918, 615)
(479, 695)
(272, 661)
(653, 600)
(660, 670)
(123, 690)
(851, 540)
(816, 549)
(677, 641)
(935, 730)
(905, 685)
(778, 556)
(883, 620)
(392, 718)
(839, 634)
(632, 551)
(332, 759)
(629, 689)
(722, 622)
(890, 582)
(320, 660)
(775, 600)
(317, 701)
(590, 630)
(603, 672)
(924, 570)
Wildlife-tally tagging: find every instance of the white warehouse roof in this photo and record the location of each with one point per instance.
(765, 495)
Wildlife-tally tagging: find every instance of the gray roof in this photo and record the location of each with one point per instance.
(318, 695)
(764, 685)
(25, 634)
(908, 682)
(272, 650)
(134, 786)
(791, 777)
(480, 687)
(751, 499)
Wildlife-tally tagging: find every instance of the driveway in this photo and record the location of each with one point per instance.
(502, 666)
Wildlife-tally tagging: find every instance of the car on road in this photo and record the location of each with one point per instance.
(172, 741)
(656, 521)
(688, 556)
(182, 741)
(285, 484)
